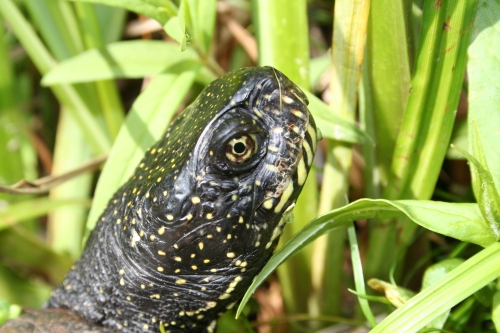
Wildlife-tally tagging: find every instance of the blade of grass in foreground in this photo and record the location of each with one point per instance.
(463, 281)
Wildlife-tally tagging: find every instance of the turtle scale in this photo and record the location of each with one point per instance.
(182, 240)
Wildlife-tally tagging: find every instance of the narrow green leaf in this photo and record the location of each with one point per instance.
(129, 59)
(435, 90)
(460, 221)
(432, 275)
(44, 62)
(333, 126)
(65, 225)
(151, 8)
(457, 285)
(206, 12)
(29, 209)
(359, 280)
(147, 120)
(483, 73)
(388, 62)
(495, 310)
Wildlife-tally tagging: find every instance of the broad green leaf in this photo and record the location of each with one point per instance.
(156, 9)
(147, 120)
(486, 193)
(483, 73)
(204, 22)
(432, 275)
(129, 59)
(387, 74)
(333, 126)
(32, 208)
(460, 221)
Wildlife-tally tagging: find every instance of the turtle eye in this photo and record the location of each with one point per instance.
(240, 149)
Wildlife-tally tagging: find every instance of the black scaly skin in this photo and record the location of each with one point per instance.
(181, 241)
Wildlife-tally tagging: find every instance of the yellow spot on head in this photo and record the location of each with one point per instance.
(121, 272)
(161, 231)
(170, 217)
(230, 254)
(194, 267)
(178, 259)
(210, 216)
(200, 245)
(122, 282)
(195, 200)
(160, 269)
(118, 221)
(180, 281)
(206, 261)
(268, 203)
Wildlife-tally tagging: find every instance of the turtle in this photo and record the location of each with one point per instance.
(181, 241)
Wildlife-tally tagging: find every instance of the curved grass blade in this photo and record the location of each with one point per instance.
(460, 221)
(159, 10)
(129, 59)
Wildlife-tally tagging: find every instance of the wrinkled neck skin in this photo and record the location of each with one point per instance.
(180, 242)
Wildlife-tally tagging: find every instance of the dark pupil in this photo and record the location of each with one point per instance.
(239, 148)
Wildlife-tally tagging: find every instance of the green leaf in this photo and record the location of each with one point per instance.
(484, 91)
(495, 311)
(130, 59)
(460, 283)
(332, 125)
(29, 209)
(204, 13)
(432, 275)
(435, 90)
(387, 74)
(156, 9)
(460, 221)
(147, 120)
(484, 186)
(177, 30)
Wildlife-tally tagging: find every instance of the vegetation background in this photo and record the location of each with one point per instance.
(398, 81)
